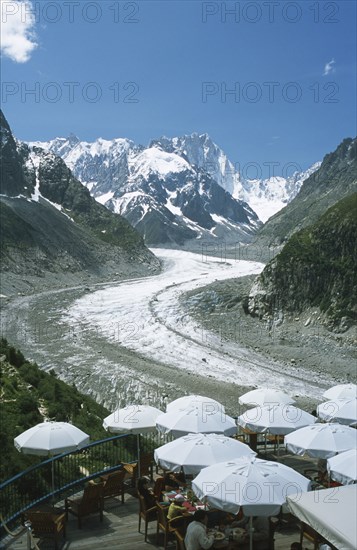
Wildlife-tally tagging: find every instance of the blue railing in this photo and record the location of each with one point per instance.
(71, 470)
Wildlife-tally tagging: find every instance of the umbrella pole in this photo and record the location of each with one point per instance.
(251, 533)
(138, 453)
(53, 481)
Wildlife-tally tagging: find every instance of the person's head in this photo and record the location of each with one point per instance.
(201, 516)
(142, 483)
(179, 499)
(296, 546)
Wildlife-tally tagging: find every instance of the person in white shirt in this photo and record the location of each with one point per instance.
(196, 535)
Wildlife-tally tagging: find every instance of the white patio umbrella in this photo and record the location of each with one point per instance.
(195, 420)
(341, 391)
(135, 419)
(188, 401)
(343, 467)
(339, 410)
(50, 439)
(193, 452)
(275, 419)
(321, 440)
(259, 486)
(265, 396)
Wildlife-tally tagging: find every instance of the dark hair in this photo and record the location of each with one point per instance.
(200, 515)
(296, 546)
(141, 482)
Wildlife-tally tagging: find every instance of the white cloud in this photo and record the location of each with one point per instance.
(18, 38)
(329, 67)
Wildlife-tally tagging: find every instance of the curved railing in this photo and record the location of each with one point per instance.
(71, 470)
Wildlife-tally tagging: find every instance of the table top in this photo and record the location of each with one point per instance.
(224, 539)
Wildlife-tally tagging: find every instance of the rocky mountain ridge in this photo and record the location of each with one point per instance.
(171, 191)
(335, 179)
(51, 225)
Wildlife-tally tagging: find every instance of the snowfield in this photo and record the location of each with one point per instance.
(145, 316)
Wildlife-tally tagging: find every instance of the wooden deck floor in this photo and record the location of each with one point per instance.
(119, 528)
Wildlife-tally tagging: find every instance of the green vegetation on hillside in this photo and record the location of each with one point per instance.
(318, 266)
(335, 179)
(30, 395)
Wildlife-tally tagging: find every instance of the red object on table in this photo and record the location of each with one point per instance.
(189, 506)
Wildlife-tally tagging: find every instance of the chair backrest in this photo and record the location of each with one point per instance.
(42, 523)
(92, 499)
(114, 484)
(162, 520)
(310, 534)
(146, 463)
(180, 541)
(142, 504)
(159, 486)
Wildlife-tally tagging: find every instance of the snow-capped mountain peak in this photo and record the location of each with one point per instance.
(201, 151)
(176, 188)
(158, 162)
(268, 196)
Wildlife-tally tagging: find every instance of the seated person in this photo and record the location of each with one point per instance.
(196, 536)
(217, 517)
(296, 546)
(172, 481)
(145, 491)
(176, 509)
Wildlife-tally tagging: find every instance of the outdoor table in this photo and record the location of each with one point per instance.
(222, 540)
(169, 496)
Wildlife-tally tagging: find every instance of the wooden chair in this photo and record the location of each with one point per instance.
(113, 484)
(159, 487)
(146, 468)
(47, 524)
(89, 503)
(168, 527)
(179, 524)
(180, 541)
(307, 532)
(145, 513)
(163, 524)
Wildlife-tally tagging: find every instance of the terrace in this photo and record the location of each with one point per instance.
(120, 529)
(120, 521)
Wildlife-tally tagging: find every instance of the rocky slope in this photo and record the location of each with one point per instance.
(317, 268)
(51, 225)
(335, 179)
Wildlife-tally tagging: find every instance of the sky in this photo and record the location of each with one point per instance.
(273, 83)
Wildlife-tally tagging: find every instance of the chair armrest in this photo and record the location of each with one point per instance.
(129, 467)
(151, 509)
(59, 518)
(60, 522)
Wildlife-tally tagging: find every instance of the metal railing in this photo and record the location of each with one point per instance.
(71, 470)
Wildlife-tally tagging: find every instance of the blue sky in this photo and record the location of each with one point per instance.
(145, 69)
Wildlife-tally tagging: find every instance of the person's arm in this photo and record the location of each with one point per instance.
(244, 523)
